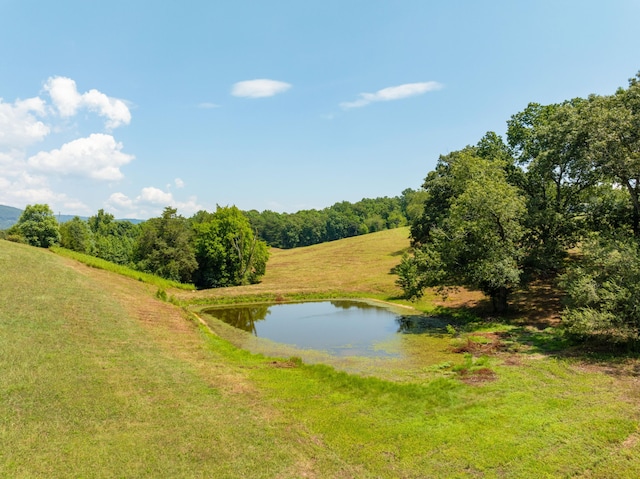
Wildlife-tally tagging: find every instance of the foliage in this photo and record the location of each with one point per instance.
(341, 220)
(614, 123)
(113, 240)
(77, 236)
(164, 247)
(100, 263)
(470, 231)
(38, 226)
(551, 142)
(603, 290)
(227, 251)
(571, 169)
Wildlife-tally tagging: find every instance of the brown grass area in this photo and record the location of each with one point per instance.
(360, 265)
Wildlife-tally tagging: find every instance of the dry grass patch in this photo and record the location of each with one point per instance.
(360, 265)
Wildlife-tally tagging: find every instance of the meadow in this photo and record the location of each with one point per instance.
(104, 375)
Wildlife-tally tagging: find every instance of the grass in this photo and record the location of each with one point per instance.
(120, 269)
(353, 267)
(101, 379)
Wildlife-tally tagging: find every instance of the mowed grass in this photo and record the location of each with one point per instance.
(89, 390)
(100, 379)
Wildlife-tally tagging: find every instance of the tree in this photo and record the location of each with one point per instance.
(470, 232)
(38, 226)
(77, 236)
(552, 143)
(227, 250)
(114, 240)
(614, 123)
(164, 247)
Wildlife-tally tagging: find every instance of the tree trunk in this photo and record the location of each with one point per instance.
(499, 300)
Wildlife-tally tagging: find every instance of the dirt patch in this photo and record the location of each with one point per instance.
(462, 298)
(481, 344)
(477, 376)
(539, 305)
(284, 364)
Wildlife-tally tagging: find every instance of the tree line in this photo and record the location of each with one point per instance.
(559, 199)
(228, 247)
(341, 220)
(209, 249)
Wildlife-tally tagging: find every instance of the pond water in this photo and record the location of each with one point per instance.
(340, 328)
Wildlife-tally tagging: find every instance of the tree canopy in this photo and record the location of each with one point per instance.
(498, 214)
(38, 226)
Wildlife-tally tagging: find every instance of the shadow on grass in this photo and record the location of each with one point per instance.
(532, 326)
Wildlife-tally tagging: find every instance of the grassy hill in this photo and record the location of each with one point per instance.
(101, 379)
(360, 265)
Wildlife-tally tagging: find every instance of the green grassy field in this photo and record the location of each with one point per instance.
(99, 378)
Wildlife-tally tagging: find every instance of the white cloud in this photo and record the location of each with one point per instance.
(120, 200)
(98, 156)
(392, 93)
(179, 183)
(150, 202)
(19, 125)
(25, 189)
(154, 196)
(259, 88)
(68, 101)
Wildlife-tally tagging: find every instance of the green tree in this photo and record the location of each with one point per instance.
(227, 250)
(77, 236)
(614, 123)
(552, 143)
(475, 239)
(164, 247)
(114, 240)
(39, 226)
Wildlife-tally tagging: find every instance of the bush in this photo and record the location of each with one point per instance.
(603, 291)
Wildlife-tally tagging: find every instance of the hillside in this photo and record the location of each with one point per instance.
(360, 265)
(8, 216)
(100, 378)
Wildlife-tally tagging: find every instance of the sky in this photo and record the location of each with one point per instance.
(131, 106)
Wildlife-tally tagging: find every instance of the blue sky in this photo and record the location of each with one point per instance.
(285, 105)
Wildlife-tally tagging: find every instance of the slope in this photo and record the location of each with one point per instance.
(357, 266)
(99, 379)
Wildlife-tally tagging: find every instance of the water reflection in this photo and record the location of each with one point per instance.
(244, 317)
(338, 327)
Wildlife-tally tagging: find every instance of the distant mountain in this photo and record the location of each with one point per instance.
(9, 216)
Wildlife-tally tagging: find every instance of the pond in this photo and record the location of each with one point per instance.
(344, 328)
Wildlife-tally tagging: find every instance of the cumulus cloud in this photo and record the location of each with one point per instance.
(259, 88)
(32, 174)
(155, 196)
(392, 93)
(68, 101)
(120, 201)
(150, 202)
(25, 189)
(98, 156)
(20, 125)
(179, 183)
